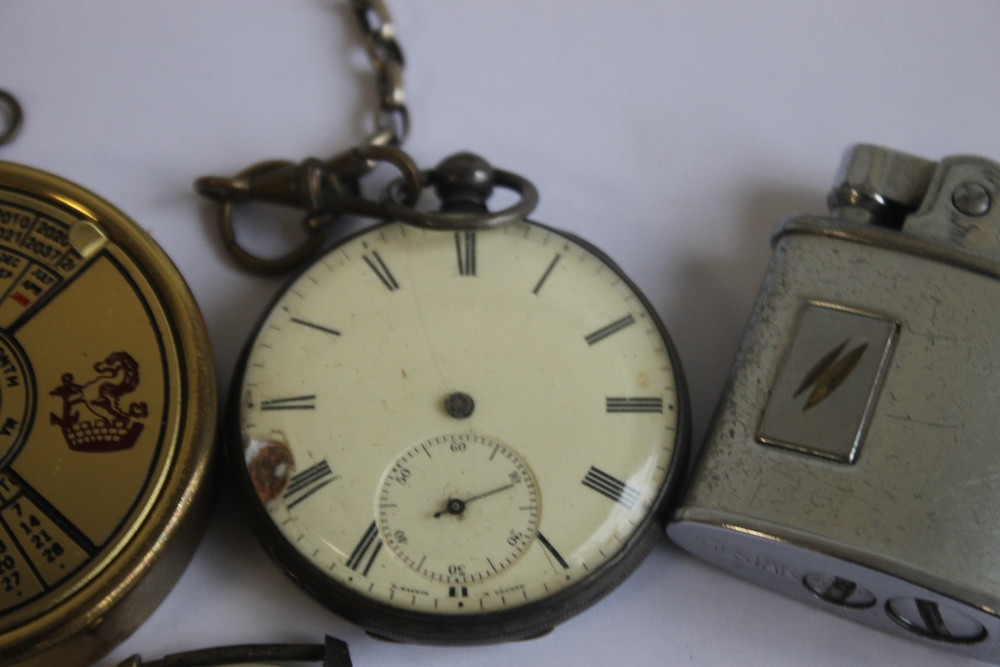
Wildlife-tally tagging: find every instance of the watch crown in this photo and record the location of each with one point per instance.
(463, 182)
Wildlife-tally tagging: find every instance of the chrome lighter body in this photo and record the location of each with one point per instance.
(853, 462)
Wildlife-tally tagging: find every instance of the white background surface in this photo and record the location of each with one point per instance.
(672, 135)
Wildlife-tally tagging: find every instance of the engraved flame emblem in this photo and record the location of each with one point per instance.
(829, 373)
(112, 427)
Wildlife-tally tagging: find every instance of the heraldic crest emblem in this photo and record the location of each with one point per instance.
(112, 427)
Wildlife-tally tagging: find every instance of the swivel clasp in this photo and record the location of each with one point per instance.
(323, 190)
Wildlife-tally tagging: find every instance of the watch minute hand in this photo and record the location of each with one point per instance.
(456, 506)
(489, 493)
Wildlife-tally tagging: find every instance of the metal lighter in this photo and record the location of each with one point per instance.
(853, 462)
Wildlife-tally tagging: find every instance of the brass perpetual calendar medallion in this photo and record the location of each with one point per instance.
(455, 427)
(107, 411)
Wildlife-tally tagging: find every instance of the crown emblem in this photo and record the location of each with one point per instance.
(111, 427)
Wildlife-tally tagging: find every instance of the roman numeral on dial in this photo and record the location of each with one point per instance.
(611, 487)
(613, 328)
(545, 276)
(381, 270)
(634, 404)
(309, 481)
(366, 550)
(552, 551)
(317, 327)
(290, 403)
(465, 249)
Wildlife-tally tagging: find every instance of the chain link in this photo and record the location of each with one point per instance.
(10, 117)
(392, 120)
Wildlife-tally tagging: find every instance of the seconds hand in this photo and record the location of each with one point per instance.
(456, 506)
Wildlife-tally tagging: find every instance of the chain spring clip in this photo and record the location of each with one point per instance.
(327, 190)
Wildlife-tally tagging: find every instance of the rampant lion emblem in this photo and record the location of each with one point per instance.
(112, 428)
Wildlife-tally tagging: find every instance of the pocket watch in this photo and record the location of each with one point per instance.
(107, 417)
(458, 427)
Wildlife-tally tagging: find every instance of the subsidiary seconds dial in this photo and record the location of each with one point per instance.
(458, 437)
(467, 491)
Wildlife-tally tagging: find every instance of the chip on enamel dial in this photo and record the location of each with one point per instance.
(458, 437)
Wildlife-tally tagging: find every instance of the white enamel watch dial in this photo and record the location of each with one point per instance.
(458, 436)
